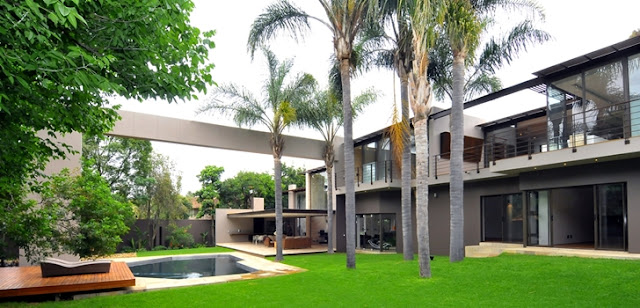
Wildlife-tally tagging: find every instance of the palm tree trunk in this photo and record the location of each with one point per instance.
(456, 184)
(277, 174)
(329, 208)
(407, 228)
(422, 194)
(349, 165)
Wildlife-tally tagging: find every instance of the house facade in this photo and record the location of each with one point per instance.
(566, 174)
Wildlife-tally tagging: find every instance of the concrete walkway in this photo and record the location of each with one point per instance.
(486, 249)
(263, 251)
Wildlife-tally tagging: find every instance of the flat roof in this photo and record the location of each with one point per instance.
(286, 213)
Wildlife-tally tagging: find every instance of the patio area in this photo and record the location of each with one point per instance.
(263, 251)
(491, 249)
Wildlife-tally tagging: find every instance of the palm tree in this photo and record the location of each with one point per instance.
(324, 114)
(423, 17)
(398, 57)
(274, 111)
(462, 30)
(346, 19)
(464, 22)
(480, 73)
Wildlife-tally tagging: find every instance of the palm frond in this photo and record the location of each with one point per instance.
(236, 102)
(532, 8)
(498, 52)
(280, 16)
(481, 84)
(396, 134)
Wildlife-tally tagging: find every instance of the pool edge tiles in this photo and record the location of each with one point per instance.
(263, 268)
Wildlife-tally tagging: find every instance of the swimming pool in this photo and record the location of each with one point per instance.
(187, 267)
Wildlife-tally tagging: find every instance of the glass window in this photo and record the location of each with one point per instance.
(604, 88)
(376, 231)
(634, 94)
(563, 95)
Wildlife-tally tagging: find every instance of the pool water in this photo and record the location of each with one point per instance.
(188, 267)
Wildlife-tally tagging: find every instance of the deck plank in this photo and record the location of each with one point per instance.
(28, 280)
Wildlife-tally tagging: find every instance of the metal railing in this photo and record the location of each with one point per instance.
(577, 126)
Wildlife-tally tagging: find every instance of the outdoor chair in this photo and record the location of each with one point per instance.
(376, 245)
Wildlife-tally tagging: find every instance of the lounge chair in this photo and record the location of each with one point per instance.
(55, 267)
(376, 245)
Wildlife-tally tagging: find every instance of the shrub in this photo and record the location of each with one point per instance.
(141, 249)
(159, 247)
(180, 237)
(127, 249)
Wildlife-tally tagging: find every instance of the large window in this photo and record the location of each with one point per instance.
(502, 219)
(376, 232)
(604, 87)
(561, 95)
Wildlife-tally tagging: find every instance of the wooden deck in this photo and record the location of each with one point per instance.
(24, 281)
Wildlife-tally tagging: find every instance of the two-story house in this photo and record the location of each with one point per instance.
(563, 175)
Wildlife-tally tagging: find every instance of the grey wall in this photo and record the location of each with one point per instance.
(141, 227)
(473, 191)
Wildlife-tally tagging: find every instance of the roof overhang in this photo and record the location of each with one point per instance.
(556, 72)
(286, 213)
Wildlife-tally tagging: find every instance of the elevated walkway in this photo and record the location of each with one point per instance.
(490, 249)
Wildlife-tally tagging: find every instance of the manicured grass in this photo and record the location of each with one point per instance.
(388, 281)
(182, 251)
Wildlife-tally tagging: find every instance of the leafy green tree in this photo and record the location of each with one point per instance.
(91, 218)
(236, 192)
(273, 111)
(323, 112)
(161, 196)
(346, 19)
(209, 194)
(62, 60)
(292, 175)
(122, 162)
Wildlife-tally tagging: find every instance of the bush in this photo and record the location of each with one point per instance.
(180, 237)
(141, 249)
(159, 247)
(127, 249)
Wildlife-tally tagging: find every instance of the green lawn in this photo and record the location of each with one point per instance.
(182, 251)
(388, 281)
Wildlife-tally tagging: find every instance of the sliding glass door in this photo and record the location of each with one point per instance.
(502, 218)
(611, 216)
(538, 218)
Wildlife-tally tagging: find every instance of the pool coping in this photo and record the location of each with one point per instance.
(263, 268)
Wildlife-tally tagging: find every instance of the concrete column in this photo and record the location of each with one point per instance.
(307, 189)
(292, 196)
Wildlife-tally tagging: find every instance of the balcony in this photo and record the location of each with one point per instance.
(372, 176)
(583, 134)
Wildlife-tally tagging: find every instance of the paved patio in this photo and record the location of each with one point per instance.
(488, 249)
(263, 251)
